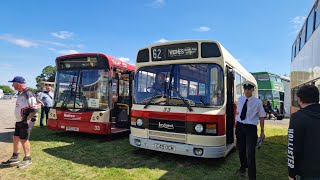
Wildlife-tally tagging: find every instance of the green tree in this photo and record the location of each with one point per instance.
(32, 89)
(48, 74)
(6, 89)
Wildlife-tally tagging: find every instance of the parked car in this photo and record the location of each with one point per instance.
(7, 96)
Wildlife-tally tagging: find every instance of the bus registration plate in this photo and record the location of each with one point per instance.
(165, 147)
(70, 128)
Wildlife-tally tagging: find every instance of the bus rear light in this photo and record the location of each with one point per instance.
(101, 114)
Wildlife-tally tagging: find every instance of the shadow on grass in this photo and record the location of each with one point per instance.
(116, 152)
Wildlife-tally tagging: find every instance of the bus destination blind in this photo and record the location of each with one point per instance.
(175, 52)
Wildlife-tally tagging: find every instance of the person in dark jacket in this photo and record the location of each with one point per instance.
(304, 135)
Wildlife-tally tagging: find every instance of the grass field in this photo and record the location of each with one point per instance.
(61, 155)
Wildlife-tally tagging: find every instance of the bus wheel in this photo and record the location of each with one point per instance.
(280, 117)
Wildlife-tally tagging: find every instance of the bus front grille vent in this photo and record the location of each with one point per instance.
(165, 136)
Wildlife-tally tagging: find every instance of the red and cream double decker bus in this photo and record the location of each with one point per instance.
(185, 97)
(92, 94)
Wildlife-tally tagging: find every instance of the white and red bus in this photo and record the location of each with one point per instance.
(193, 112)
(305, 57)
(93, 94)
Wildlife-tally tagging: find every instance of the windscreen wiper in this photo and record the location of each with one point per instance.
(181, 97)
(153, 97)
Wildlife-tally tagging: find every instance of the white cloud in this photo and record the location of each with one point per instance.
(162, 40)
(70, 51)
(157, 4)
(62, 34)
(203, 29)
(297, 23)
(4, 67)
(53, 43)
(18, 41)
(64, 52)
(124, 59)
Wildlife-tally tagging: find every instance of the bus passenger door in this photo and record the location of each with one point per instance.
(230, 118)
(124, 101)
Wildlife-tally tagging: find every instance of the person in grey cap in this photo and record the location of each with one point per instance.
(26, 115)
(249, 112)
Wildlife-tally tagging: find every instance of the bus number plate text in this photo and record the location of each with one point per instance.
(165, 147)
(70, 128)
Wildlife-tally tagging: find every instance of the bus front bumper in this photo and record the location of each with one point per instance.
(182, 149)
(79, 126)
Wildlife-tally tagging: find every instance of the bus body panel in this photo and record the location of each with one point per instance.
(181, 149)
(186, 117)
(89, 122)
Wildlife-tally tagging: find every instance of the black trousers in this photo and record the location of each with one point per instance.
(246, 142)
(44, 112)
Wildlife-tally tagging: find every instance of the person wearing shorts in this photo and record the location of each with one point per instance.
(26, 115)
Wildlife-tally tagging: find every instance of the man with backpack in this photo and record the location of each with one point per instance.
(47, 99)
(26, 114)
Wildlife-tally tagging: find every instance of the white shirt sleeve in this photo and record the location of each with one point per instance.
(261, 112)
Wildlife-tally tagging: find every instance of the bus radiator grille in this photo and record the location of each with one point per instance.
(165, 136)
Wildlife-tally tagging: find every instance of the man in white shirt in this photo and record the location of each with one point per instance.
(249, 112)
(26, 115)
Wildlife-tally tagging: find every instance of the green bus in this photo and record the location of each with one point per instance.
(270, 87)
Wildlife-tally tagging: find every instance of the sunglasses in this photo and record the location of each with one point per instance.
(247, 88)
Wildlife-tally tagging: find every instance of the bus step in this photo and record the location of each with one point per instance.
(113, 119)
(113, 125)
(118, 130)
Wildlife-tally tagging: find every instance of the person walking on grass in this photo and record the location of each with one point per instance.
(249, 112)
(303, 136)
(26, 115)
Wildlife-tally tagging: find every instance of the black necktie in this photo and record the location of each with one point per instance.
(244, 111)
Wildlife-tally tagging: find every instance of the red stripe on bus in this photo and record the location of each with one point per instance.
(201, 118)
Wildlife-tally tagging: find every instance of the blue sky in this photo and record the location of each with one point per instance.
(33, 33)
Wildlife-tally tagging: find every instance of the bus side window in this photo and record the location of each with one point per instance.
(238, 86)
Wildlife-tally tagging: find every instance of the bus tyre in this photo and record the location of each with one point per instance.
(280, 117)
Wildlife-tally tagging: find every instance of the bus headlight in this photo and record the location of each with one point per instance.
(198, 128)
(139, 122)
